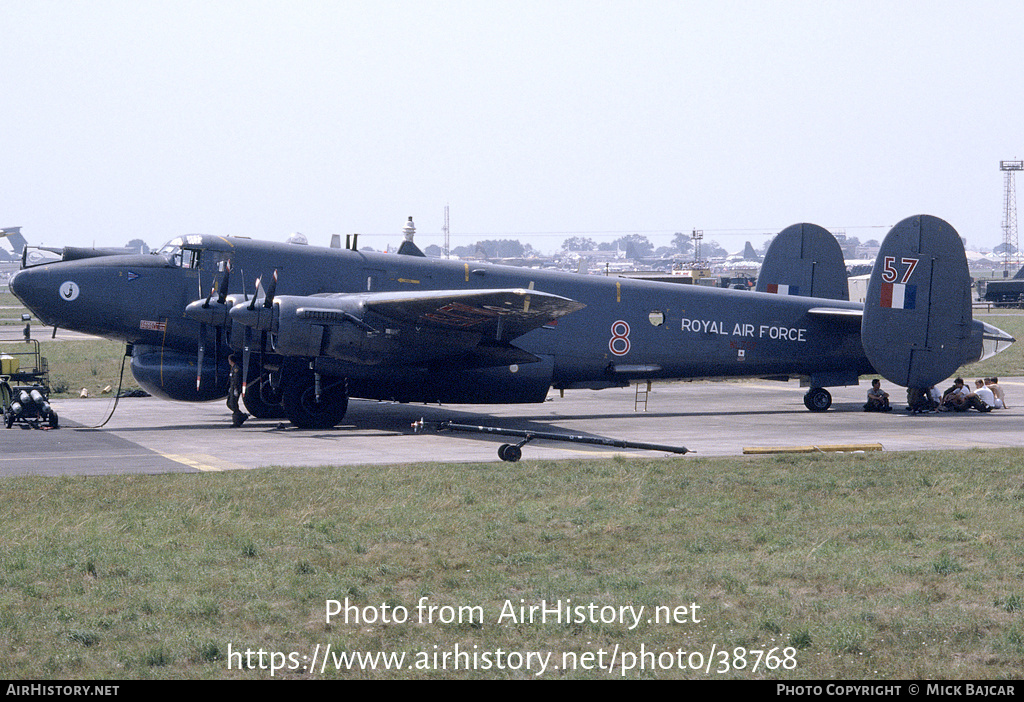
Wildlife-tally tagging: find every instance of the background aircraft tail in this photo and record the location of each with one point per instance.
(917, 323)
(12, 243)
(804, 259)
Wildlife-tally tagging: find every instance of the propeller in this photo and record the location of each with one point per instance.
(248, 339)
(210, 313)
(255, 316)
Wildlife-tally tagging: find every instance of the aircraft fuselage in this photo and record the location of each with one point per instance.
(629, 329)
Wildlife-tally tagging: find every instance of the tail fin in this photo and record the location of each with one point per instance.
(804, 259)
(12, 243)
(917, 322)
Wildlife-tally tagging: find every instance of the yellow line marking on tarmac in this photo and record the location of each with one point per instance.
(202, 462)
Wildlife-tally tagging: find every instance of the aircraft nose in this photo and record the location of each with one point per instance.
(27, 285)
(21, 285)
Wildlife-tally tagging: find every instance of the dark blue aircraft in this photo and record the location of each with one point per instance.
(315, 326)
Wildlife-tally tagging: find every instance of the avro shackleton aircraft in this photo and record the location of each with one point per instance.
(316, 326)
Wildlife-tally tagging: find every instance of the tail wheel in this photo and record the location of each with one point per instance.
(308, 411)
(818, 399)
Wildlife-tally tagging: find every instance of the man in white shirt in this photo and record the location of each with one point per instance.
(984, 393)
(993, 385)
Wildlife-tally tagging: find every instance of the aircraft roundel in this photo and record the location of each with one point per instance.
(69, 290)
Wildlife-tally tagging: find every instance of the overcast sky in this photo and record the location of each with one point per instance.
(530, 120)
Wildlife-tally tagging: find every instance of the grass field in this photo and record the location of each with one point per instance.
(887, 566)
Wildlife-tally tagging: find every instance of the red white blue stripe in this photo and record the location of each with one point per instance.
(899, 296)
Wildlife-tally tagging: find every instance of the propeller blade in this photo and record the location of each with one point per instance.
(255, 295)
(222, 285)
(269, 301)
(199, 363)
(217, 351)
(245, 359)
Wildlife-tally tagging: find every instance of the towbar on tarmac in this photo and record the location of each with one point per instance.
(513, 452)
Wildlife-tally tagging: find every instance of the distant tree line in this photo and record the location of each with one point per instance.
(489, 248)
(639, 246)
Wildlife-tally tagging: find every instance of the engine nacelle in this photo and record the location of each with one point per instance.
(171, 375)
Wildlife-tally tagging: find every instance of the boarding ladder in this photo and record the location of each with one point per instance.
(643, 389)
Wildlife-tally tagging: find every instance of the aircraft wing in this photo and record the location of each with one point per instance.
(467, 328)
(499, 315)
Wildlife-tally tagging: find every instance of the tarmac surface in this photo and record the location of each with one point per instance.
(147, 435)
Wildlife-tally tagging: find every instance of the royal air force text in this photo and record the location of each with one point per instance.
(744, 330)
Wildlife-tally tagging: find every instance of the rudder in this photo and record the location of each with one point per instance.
(916, 329)
(806, 260)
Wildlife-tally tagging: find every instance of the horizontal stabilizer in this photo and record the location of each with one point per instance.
(806, 260)
(916, 329)
(853, 313)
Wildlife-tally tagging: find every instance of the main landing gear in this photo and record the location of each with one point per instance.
(261, 398)
(818, 399)
(314, 401)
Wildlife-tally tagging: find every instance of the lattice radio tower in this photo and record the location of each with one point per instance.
(1010, 245)
(447, 235)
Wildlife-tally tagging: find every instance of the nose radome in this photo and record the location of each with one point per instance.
(14, 285)
(21, 285)
(24, 284)
(37, 290)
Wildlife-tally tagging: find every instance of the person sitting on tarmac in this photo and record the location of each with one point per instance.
(959, 399)
(955, 398)
(919, 401)
(984, 393)
(878, 399)
(993, 385)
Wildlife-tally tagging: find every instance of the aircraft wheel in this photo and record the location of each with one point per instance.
(54, 421)
(302, 408)
(818, 399)
(510, 453)
(262, 401)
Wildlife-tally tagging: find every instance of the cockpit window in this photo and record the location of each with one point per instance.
(172, 251)
(179, 252)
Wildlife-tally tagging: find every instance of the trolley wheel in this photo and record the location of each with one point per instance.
(510, 453)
